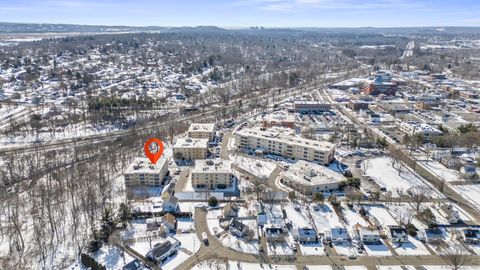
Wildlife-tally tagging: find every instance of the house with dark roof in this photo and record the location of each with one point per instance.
(397, 234)
(275, 233)
(133, 265)
(161, 251)
(471, 235)
(237, 228)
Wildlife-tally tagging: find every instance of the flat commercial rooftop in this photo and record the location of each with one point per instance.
(191, 143)
(308, 173)
(212, 166)
(143, 165)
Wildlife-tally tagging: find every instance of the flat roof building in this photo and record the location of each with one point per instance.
(190, 149)
(211, 174)
(281, 119)
(142, 172)
(309, 178)
(305, 106)
(289, 146)
(202, 131)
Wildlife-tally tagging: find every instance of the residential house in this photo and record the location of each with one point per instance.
(133, 265)
(170, 205)
(430, 235)
(305, 235)
(154, 223)
(170, 222)
(237, 228)
(162, 251)
(275, 233)
(471, 235)
(367, 235)
(397, 234)
(450, 213)
(230, 210)
(337, 235)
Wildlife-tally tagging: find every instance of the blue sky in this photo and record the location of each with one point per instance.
(230, 13)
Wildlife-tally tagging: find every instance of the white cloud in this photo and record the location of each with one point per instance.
(285, 5)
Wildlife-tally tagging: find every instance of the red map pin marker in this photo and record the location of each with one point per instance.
(153, 156)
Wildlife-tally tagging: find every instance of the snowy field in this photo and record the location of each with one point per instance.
(239, 244)
(319, 267)
(382, 172)
(447, 267)
(412, 248)
(325, 218)
(279, 249)
(381, 214)
(312, 249)
(377, 250)
(437, 168)
(234, 265)
(260, 168)
(471, 193)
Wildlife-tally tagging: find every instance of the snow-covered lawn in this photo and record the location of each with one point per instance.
(412, 248)
(174, 261)
(239, 244)
(312, 249)
(260, 168)
(381, 214)
(383, 173)
(471, 193)
(437, 168)
(353, 217)
(279, 249)
(377, 250)
(345, 249)
(325, 218)
(189, 241)
(298, 218)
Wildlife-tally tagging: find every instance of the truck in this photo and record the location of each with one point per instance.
(205, 238)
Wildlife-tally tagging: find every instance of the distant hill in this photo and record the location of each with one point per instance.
(69, 28)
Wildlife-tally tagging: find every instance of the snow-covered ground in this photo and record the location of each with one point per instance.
(383, 173)
(412, 248)
(312, 249)
(325, 218)
(239, 244)
(447, 267)
(448, 174)
(234, 265)
(279, 249)
(381, 214)
(471, 193)
(377, 250)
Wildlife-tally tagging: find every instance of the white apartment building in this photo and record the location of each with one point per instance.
(285, 145)
(309, 178)
(202, 131)
(212, 173)
(427, 131)
(190, 149)
(143, 172)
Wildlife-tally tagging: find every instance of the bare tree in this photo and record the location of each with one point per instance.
(456, 256)
(418, 194)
